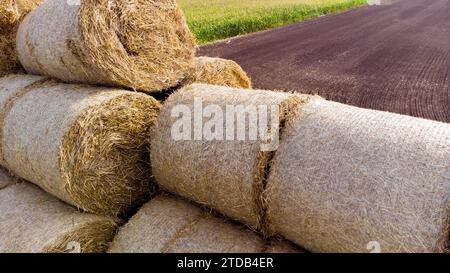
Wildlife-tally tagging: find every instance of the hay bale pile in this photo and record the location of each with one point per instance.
(170, 225)
(33, 221)
(342, 177)
(329, 177)
(227, 175)
(12, 13)
(217, 71)
(86, 145)
(142, 45)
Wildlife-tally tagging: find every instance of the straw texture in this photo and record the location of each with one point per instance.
(33, 221)
(11, 14)
(225, 175)
(217, 71)
(86, 145)
(142, 45)
(344, 177)
(170, 225)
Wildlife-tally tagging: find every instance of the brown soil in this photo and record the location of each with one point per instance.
(394, 58)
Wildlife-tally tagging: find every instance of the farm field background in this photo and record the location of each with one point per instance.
(212, 20)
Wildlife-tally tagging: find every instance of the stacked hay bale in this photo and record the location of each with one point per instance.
(167, 225)
(228, 175)
(33, 221)
(142, 45)
(217, 71)
(12, 13)
(342, 177)
(86, 145)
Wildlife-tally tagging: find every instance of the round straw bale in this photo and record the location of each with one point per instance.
(219, 71)
(170, 225)
(227, 175)
(347, 179)
(86, 145)
(33, 221)
(11, 14)
(142, 45)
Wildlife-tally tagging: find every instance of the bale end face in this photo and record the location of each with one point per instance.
(90, 238)
(135, 44)
(147, 46)
(9, 63)
(9, 17)
(11, 14)
(32, 221)
(217, 71)
(8, 13)
(104, 156)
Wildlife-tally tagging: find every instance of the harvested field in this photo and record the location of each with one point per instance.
(393, 58)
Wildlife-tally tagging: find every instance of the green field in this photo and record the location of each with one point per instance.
(212, 20)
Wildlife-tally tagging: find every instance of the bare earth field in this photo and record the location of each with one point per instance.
(394, 58)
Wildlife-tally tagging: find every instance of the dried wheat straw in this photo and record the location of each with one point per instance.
(86, 145)
(217, 71)
(33, 221)
(11, 14)
(143, 45)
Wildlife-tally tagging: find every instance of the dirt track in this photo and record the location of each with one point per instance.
(394, 58)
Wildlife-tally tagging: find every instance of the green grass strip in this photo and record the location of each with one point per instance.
(210, 30)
